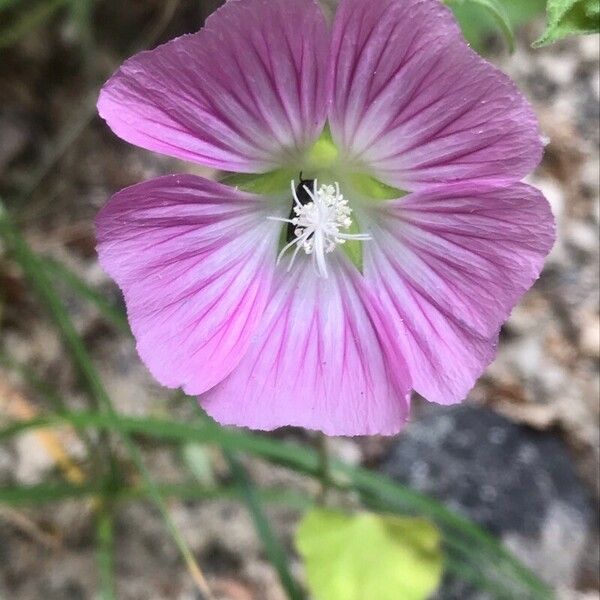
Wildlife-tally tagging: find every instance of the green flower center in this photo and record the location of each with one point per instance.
(325, 163)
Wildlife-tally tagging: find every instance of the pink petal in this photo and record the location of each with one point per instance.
(246, 93)
(448, 265)
(320, 359)
(414, 104)
(194, 260)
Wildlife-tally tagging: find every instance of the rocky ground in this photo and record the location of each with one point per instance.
(522, 458)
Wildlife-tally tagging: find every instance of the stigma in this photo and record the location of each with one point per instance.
(319, 221)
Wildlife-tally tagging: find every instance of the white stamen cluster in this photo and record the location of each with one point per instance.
(320, 224)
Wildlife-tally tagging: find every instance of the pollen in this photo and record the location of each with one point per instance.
(321, 223)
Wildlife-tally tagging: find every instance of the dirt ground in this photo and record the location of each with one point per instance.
(59, 164)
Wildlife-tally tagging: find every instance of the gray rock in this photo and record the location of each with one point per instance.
(518, 483)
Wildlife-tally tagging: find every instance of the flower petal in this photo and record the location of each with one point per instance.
(194, 260)
(246, 93)
(320, 359)
(448, 265)
(414, 104)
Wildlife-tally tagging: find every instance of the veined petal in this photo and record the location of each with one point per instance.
(415, 105)
(448, 265)
(247, 93)
(194, 260)
(321, 358)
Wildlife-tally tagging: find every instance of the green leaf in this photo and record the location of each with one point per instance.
(521, 12)
(198, 460)
(478, 23)
(272, 183)
(365, 555)
(476, 16)
(570, 17)
(5, 4)
(498, 11)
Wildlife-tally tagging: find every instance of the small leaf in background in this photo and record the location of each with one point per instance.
(366, 555)
(479, 20)
(198, 460)
(570, 17)
(23, 22)
(520, 11)
(498, 12)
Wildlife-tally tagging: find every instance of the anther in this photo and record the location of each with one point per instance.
(317, 223)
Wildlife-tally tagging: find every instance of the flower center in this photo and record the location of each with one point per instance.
(318, 222)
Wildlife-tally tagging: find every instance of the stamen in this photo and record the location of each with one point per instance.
(319, 224)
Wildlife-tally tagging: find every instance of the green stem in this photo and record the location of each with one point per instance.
(105, 552)
(324, 467)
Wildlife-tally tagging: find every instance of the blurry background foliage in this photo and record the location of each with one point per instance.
(478, 18)
(398, 540)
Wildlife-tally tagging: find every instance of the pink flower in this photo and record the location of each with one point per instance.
(371, 298)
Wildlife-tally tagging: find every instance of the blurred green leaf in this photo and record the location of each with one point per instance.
(81, 11)
(5, 4)
(365, 555)
(27, 20)
(478, 22)
(570, 17)
(497, 10)
(198, 460)
(522, 11)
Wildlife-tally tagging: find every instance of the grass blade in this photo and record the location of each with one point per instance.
(273, 548)
(252, 499)
(105, 552)
(44, 493)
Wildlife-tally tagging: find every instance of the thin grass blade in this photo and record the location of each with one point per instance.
(273, 548)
